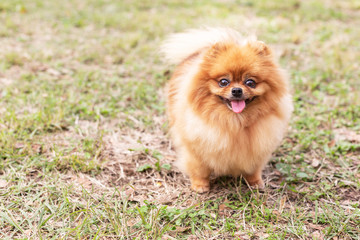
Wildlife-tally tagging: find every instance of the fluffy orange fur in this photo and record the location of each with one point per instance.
(208, 135)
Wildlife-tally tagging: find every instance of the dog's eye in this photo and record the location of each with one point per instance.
(224, 82)
(250, 83)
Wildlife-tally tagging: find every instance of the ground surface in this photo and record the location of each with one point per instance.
(84, 152)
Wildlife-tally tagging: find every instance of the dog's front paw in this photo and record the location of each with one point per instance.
(200, 188)
(255, 181)
(258, 184)
(200, 185)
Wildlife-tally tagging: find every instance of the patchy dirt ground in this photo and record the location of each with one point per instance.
(124, 152)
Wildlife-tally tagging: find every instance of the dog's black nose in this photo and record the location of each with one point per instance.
(236, 92)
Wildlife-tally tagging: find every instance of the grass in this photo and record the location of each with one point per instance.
(83, 147)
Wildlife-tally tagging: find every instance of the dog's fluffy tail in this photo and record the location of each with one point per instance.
(179, 46)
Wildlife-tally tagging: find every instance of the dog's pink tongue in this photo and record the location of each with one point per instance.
(237, 106)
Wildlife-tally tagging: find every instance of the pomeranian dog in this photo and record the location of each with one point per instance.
(228, 104)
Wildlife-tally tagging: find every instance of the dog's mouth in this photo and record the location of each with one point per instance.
(236, 105)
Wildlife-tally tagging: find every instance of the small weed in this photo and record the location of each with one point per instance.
(14, 59)
(157, 165)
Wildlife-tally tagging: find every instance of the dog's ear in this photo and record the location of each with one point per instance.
(260, 48)
(216, 49)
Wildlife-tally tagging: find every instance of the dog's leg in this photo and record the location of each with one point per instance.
(199, 175)
(255, 180)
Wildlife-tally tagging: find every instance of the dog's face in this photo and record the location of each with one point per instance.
(237, 91)
(238, 80)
